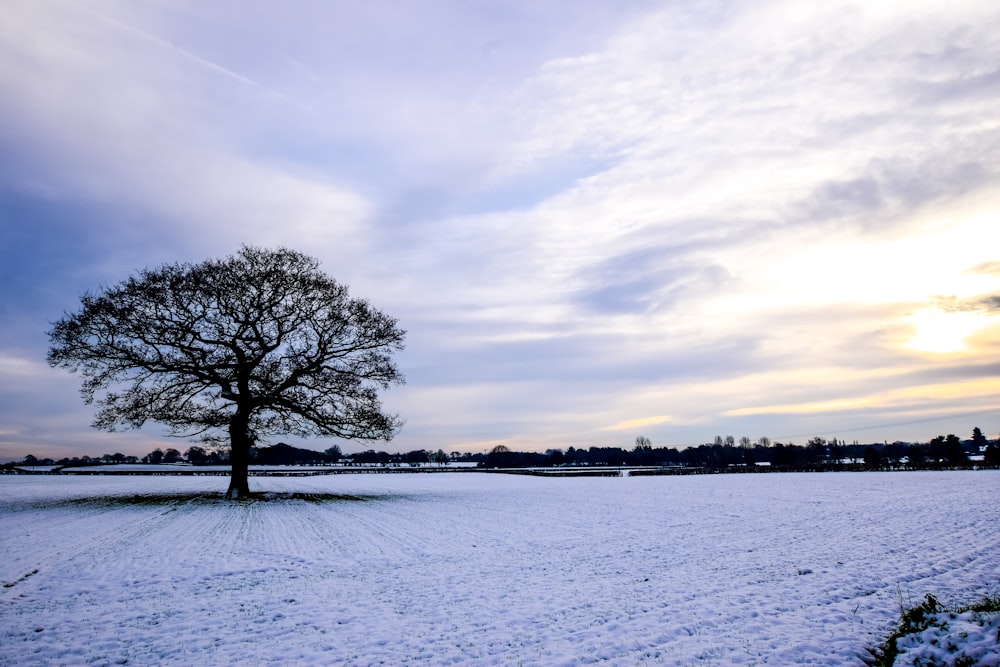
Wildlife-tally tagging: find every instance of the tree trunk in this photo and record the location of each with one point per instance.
(239, 457)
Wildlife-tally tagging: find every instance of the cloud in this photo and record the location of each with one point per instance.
(108, 117)
(904, 401)
(581, 213)
(990, 268)
(633, 424)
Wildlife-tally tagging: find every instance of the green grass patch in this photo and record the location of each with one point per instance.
(922, 616)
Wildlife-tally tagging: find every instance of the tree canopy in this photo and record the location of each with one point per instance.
(259, 343)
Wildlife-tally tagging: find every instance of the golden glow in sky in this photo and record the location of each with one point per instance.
(943, 332)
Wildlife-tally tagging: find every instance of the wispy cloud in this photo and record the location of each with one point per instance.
(641, 422)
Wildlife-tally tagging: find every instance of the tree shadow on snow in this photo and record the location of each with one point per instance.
(202, 498)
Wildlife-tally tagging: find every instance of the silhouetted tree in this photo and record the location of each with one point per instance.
(936, 450)
(258, 343)
(816, 450)
(895, 452)
(917, 455)
(782, 455)
(953, 450)
(500, 457)
(978, 439)
(283, 454)
(836, 451)
(991, 456)
(643, 453)
(609, 456)
(196, 456)
(155, 456)
(333, 453)
(872, 457)
(416, 457)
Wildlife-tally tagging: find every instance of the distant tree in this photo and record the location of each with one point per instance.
(764, 441)
(577, 457)
(895, 452)
(333, 454)
(872, 457)
(978, 439)
(816, 449)
(609, 456)
(992, 455)
(837, 451)
(155, 456)
(917, 455)
(284, 454)
(171, 456)
(259, 343)
(366, 457)
(416, 457)
(715, 456)
(643, 453)
(936, 450)
(196, 455)
(785, 455)
(500, 457)
(953, 450)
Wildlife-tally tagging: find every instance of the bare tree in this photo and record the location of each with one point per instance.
(259, 343)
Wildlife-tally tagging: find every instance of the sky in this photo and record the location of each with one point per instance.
(676, 219)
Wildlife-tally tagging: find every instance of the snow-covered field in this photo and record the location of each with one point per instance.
(484, 569)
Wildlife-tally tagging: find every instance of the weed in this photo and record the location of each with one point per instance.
(917, 619)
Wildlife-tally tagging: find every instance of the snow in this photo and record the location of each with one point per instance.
(484, 569)
(969, 638)
(177, 468)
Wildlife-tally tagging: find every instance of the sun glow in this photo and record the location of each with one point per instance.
(942, 332)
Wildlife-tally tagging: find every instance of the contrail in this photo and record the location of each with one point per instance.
(189, 55)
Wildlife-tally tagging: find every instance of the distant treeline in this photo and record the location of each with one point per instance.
(279, 454)
(817, 453)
